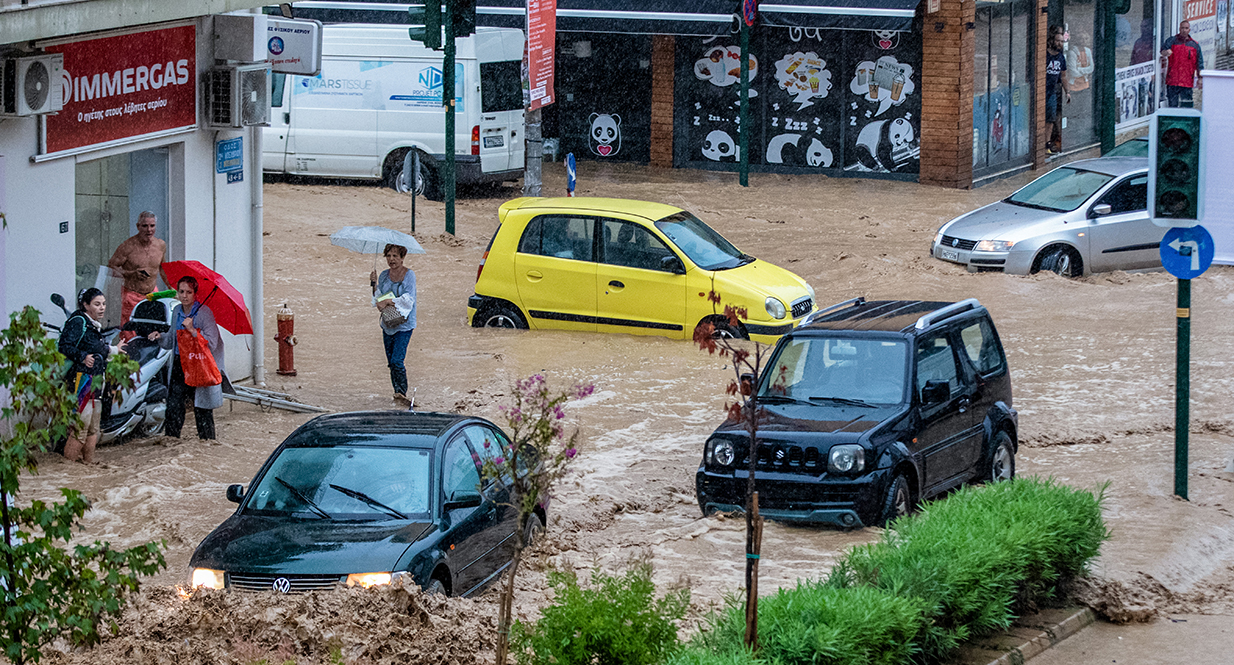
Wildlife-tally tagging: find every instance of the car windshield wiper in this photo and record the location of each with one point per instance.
(303, 497)
(746, 259)
(361, 496)
(842, 400)
(780, 399)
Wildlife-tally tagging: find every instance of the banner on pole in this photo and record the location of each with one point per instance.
(541, 46)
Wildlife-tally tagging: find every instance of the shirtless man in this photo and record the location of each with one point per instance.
(137, 260)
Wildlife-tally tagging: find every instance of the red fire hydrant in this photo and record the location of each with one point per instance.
(287, 339)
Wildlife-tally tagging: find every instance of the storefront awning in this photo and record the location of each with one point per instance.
(647, 17)
(705, 17)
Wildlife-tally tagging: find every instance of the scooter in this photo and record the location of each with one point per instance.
(141, 409)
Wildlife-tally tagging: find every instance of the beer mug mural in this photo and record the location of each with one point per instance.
(885, 82)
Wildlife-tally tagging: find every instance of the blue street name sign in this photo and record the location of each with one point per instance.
(1186, 252)
(571, 173)
(229, 155)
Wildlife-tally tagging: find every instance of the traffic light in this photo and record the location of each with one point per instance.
(427, 18)
(1174, 176)
(464, 14)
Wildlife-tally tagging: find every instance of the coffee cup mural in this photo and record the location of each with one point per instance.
(885, 82)
(804, 77)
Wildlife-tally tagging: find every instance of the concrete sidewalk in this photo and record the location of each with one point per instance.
(1029, 635)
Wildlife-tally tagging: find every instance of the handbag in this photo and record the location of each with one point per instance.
(392, 318)
(196, 361)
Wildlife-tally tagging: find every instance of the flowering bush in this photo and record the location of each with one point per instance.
(537, 455)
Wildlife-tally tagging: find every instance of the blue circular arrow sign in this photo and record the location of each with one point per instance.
(1187, 251)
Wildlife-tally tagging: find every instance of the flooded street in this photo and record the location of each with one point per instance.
(1092, 368)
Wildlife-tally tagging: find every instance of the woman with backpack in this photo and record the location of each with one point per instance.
(81, 342)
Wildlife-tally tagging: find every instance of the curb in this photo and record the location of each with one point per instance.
(1027, 637)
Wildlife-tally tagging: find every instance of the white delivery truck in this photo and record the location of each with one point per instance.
(378, 96)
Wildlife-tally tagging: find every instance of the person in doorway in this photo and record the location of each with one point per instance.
(1142, 50)
(1183, 61)
(137, 262)
(1080, 64)
(396, 287)
(194, 316)
(81, 341)
(1055, 88)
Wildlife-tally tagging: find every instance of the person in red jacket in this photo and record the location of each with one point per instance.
(1183, 62)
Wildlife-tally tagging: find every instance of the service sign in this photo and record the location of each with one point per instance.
(125, 86)
(293, 46)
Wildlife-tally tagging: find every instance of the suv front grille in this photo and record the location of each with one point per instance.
(958, 243)
(299, 583)
(802, 307)
(786, 458)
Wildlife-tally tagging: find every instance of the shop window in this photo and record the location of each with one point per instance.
(110, 194)
(1135, 56)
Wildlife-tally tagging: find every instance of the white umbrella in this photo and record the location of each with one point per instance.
(373, 239)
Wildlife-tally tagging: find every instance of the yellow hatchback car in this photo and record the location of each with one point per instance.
(614, 265)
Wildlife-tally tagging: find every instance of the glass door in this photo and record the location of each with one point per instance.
(1002, 86)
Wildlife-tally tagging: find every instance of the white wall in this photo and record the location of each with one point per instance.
(39, 260)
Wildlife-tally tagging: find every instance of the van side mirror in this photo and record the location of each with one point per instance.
(672, 264)
(1100, 210)
(935, 392)
(235, 493)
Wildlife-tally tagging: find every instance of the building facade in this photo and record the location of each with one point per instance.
(131, 136)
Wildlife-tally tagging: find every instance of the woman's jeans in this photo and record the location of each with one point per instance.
(179, 395)
(396, 352)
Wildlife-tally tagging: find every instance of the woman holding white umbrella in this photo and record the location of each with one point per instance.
(394, 293)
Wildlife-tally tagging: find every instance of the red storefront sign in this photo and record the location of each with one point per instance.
(125, 86)
(541, 45)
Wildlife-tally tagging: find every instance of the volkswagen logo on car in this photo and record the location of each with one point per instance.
(282, 585)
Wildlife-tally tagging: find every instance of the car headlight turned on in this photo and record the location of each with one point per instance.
(938, 237)
(775, 308)
(720, 452)
(370, 580)
(993, 246)
(211, 579)
(849, 458)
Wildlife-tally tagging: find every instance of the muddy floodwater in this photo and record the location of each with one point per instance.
(1092, 367)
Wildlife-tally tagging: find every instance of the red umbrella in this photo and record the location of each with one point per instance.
(214, 291)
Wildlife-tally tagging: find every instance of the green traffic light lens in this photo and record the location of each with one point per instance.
(1175, 171)
(1172, 203)
(1176, 139)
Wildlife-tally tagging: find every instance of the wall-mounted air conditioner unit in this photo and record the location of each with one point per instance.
(31, 85)
(238, 96)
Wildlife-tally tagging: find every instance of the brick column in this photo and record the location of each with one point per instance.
(663, 48)
(1036, 53)
(947, 95)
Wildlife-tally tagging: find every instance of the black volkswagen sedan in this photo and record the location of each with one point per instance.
(364, 499)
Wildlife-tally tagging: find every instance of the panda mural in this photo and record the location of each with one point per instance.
(604, 136)
(887, 146)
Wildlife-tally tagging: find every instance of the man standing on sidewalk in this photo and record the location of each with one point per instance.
(1183, 62)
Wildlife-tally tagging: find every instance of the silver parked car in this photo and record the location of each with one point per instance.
(1088, 216)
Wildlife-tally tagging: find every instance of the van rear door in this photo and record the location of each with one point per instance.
(274, 137)
(501, 117)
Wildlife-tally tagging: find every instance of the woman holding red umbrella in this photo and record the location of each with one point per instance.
(197, 317)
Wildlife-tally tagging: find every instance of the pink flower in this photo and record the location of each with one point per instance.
(571, 452)
(499, 460)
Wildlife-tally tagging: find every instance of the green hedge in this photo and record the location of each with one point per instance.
(961, 567)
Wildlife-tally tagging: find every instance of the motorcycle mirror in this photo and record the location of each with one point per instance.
(57, 300)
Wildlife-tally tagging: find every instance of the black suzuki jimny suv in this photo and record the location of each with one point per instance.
(868, 408)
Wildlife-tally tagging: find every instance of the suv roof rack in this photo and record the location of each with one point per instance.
(859, 300)
(947, 312)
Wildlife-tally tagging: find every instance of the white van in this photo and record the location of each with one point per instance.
(379, 95)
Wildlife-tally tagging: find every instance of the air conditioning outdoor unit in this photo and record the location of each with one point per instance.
(32, 85)
(238, 96)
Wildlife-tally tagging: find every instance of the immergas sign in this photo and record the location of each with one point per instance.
(293, 46)
(125, 86)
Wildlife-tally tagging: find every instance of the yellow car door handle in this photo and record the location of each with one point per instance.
(535, 275)
(616, 284)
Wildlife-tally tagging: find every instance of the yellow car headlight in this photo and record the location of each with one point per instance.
(775, 308)
(369, 580)
(211, 579)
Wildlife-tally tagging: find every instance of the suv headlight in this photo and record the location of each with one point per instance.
(776, 308)
(720, 452)
(849, 458)
(993, 246)
(211, 579)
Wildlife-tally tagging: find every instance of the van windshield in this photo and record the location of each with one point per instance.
(501, 86)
